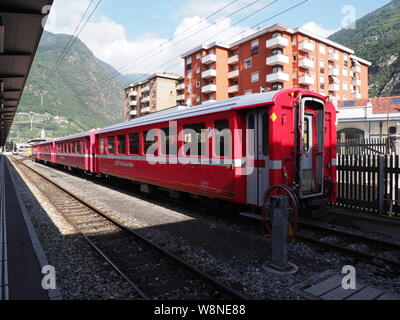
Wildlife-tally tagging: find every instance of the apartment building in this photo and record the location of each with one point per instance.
(157, 92)
(271, 59)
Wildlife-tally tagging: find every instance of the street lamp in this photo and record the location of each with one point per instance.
(31, 117)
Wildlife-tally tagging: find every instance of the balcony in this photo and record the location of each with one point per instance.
(233, 74)
(233, 89)
(356, 82)
(181, 97)
(209, 88)
(133, 103)
(145, 99)
(132, 93)
(145, 110)
(307, 80)
(277, 76)
(210, 73)
(277, 42)
(211, 58)
(333, 72)
(306, 63)
(133, 112)
(180, 86)
(306, 46)
(334, 87)
(356, 95)
(233, 59)
(334, 56)
(279, 59)
(356, 69)
(145, 89)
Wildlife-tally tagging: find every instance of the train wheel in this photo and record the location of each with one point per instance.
(266, 223)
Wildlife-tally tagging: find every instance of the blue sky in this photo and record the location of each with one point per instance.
(162, 17)
(122, 31)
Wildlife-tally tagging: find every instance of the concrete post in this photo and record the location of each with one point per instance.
(279, 217)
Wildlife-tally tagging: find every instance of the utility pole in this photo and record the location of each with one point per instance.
(31, 117)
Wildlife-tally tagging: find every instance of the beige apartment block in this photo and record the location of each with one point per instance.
(271, 59)
(157, 92)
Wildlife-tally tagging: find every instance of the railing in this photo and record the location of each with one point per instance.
(366, 146)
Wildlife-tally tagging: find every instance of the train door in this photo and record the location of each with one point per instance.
(257, 156)
(311, 153)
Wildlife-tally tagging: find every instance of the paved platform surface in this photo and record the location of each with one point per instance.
(20, 269)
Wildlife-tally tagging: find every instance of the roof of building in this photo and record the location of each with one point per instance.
(380, 105)
(278, 27)
(165, 75)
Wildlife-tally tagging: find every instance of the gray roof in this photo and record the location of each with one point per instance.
(180, 112)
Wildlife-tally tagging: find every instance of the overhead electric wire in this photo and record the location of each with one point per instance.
(270, 18)
(143, 57)
(73, 42)
(115, 74)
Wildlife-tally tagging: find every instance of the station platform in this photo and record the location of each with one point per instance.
(21, 256)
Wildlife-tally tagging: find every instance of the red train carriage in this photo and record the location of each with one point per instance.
(279, 142)
(43, 151)
(75, 151)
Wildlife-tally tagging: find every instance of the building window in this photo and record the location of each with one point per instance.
(197, 84)
(188, 60)
(294, 40)
(134, 143)
(248, 63)
(189, 75)
(294, 57)
(111, 144)
(121, 143)
(277, 86)
(322, 48)
(276, 69)
(197, 56)
(197, 99)
(198, 70)
(221, 138)
(294, 74)
(254, 47)
(189, 88)
(255, 76)
(322, 79)
(322, 65)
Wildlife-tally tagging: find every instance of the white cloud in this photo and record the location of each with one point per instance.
(108, 41)
(318, 29)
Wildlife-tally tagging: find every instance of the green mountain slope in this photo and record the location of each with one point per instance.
(376, 38)
(76, 92)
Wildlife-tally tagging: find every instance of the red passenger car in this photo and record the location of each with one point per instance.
(282, 141)
(43, 152)
(241, 150)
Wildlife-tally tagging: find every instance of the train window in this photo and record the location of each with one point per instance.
(134, 143)
(195, 139)
(102, 145)
(168, 142)
(306, 135)
(72, 147)
(148, 140)
(111, 144)
(265, 133)
(78, 147)
(222, 138)
(121, 143)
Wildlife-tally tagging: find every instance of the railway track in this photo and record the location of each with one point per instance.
(151, 271)
(371, 250)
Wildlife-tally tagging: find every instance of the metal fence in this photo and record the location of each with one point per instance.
(369, 183)
(384, 145)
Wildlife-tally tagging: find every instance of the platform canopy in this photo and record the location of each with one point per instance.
(20, 31)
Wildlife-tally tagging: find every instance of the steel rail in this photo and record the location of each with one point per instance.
(221, 288)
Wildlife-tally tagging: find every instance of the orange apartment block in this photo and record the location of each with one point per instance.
(272, 59)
